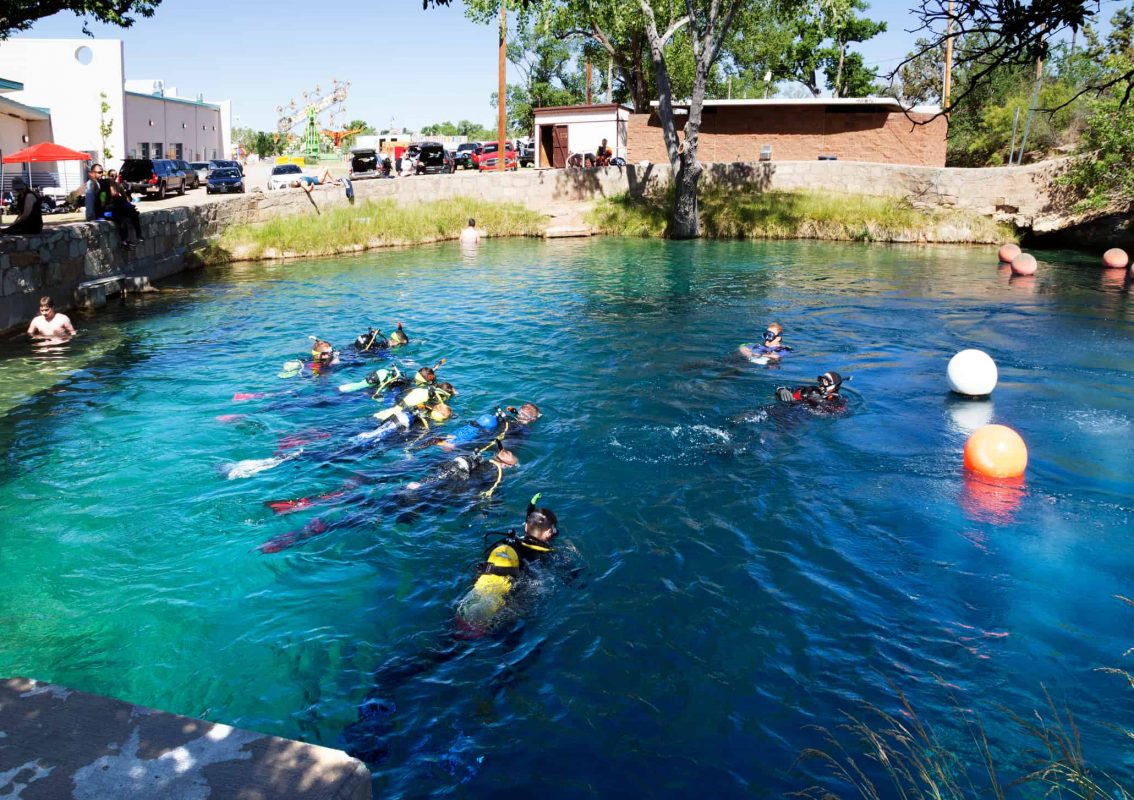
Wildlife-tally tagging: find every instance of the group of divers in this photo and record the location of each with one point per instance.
(415, 407)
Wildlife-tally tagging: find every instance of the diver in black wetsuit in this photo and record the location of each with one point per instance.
(463, 475)
(500, 574)
(374, 342)
(823, 398)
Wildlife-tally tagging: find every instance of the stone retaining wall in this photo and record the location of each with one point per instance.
(62, 257)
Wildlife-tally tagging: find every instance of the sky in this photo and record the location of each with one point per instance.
(407, 67)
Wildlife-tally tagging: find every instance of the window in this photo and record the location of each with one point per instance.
(145, 149)
(157, 150)
(179, 151)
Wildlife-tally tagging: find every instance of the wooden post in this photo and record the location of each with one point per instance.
(948, 83)
(502, 120)
(610, 80)
(588, 81)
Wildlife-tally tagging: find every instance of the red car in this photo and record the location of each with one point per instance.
(487, 159)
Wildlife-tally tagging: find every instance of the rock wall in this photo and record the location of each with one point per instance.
(63, 257)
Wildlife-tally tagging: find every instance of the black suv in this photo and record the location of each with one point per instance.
(431, 159)
(192, 179)
(154, 176)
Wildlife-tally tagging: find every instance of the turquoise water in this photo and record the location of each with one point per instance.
(743, 577)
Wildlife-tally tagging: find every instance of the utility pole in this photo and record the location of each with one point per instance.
(610, 81)
(502, 120)
(589, 81)
(948, 83)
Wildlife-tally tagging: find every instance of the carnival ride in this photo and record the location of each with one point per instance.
(313, 105)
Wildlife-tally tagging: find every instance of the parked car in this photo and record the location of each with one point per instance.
(431, 159)
(366, 162)
(283, 175)
(226, 164)
(487, 160)
(225, 179)
(526, 154)
(466, 155)
(192, 179)
(151, 176)
(202, 170)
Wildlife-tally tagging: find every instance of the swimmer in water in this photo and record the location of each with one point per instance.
(507, 568)
(771, 351)
(49, 324)
(823, 398)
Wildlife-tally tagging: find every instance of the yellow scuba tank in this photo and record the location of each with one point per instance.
(413, 398)
(488, 594)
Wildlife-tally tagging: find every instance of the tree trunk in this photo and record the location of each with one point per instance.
(685, 217)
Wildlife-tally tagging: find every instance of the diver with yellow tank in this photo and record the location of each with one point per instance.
(503, 573)
(503, 567)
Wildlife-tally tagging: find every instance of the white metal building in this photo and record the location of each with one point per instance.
(72, 78)
(563, 130)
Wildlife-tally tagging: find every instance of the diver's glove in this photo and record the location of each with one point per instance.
(784, 394)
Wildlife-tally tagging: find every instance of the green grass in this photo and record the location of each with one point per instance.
(749, 214)
(877, 754)
(369, 225)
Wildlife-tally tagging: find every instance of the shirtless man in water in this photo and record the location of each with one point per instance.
(49, 325)
(470, 235)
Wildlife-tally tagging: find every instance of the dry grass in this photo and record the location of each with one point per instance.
(750, 214)
(368, 225)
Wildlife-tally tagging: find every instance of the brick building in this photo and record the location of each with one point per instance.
(873, 129)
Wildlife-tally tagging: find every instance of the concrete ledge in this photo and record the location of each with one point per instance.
(57, 743)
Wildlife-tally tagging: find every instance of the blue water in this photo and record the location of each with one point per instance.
(743, 577)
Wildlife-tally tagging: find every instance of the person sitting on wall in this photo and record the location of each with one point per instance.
(603, 155)
(29, 206)
(125, 215)
(92, 193)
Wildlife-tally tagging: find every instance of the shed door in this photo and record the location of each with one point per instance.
(559, 147)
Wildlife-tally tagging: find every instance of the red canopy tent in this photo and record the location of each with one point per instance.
(45, 151)
(37, 153)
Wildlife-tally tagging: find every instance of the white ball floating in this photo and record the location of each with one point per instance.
(972, 373)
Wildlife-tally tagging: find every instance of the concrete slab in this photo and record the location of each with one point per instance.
(566, 231)
(58, 743)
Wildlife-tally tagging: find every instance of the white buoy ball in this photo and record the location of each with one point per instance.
(972, 373)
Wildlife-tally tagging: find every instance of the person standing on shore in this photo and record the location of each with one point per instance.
(49, 325)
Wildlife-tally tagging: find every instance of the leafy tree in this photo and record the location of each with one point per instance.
(105, 126)
(20, 15)
(360, 127)
(474, 132)
(919, 79)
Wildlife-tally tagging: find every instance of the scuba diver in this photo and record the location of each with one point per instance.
(771, 351)
(323, 357)
(391, 378)
(503, 565)
(374, 342)
(823, 398)
(504, 572)
(462, 475)
(498, 425)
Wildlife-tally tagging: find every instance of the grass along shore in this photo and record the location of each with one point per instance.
(728, 213)
(367, 225)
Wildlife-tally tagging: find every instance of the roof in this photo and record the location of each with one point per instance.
(10, 86)
(15, 109)
(167, 98)
(581, 108)
(881, 103)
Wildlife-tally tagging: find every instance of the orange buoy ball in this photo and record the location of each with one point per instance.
(1024, 264)
(1008, 252)
(1115, 258)
(996, 451)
